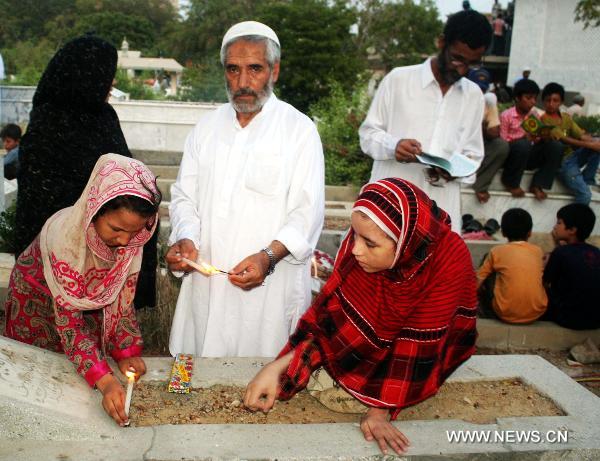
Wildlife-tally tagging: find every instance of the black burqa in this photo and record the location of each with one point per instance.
(71, 125)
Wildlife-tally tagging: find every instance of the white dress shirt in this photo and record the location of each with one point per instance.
(409, 104)
(237, 190)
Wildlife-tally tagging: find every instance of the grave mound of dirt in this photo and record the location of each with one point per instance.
(477, 402)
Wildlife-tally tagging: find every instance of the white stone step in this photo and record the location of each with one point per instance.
(165, 172)
(542, 212)
(496, 185)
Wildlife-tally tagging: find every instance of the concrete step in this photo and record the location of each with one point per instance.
(496, 185)
(157, 157)
(165, 172)
(164, 185)
(542, 212)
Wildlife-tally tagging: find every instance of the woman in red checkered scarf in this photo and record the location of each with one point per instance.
(395, 319)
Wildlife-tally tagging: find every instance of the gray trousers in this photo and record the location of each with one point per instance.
(495, 153)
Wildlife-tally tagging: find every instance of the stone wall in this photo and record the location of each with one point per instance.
(147, 125)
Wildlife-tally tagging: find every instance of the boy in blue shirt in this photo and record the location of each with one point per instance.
(572, 274)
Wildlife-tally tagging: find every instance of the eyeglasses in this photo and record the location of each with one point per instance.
(459, 61)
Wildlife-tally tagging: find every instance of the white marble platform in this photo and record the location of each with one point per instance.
(47, 412)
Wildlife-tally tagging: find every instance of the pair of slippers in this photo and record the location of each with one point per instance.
(470, 224)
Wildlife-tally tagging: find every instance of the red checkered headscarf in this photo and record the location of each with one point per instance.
(391, 338)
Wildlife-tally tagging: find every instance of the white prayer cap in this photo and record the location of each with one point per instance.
(527, 69)
(249, 28)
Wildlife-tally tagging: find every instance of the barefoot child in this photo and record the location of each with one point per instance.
(72, 289)
(395, 319)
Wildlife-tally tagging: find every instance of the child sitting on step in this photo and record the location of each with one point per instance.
(572, 274)
(510, 278)
(582, 152)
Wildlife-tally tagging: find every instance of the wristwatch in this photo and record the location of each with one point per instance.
(271, 256)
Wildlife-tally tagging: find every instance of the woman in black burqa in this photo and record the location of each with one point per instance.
(71, 125)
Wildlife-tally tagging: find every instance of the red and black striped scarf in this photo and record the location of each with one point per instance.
(391, 338)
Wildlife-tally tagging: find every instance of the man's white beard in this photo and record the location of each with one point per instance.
(251, 107)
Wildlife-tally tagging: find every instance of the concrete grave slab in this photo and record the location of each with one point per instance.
(48, 412)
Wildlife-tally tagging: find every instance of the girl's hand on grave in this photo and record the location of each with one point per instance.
(375, 426)
(114, 398)
(135, 364)
(262, 391)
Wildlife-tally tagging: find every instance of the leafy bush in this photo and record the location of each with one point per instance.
(135, 88)
(203, 82)
(338, 117)
(590, 123)
(7, 229)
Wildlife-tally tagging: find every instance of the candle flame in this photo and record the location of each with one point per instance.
(130, 374)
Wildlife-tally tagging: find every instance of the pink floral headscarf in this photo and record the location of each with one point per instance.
(81, 271)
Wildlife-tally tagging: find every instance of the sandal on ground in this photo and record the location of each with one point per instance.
(538, 192)
(483, 196)
(473, 226)
(491, 226)
(466, 219)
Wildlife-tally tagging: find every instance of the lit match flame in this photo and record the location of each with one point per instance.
(203, 267)
(210, 270)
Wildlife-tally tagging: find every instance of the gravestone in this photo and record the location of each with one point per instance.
(48, 412)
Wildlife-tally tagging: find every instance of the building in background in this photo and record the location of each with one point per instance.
(547, 39)
(133, 62)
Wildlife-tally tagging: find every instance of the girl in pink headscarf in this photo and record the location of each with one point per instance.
(72, 289)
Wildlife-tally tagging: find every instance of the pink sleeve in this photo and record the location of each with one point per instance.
(79, 345)
(126, 340)
(504, 126)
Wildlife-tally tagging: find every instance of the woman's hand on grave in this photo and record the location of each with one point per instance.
(184, 248)
(135, 364)
(114, 398)
(375, 426)
(262, 391)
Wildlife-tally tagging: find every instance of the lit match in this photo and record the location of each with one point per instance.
(203, 267)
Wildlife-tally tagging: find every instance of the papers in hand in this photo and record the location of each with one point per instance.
(457, 165)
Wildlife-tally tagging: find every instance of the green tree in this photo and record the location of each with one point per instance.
(27, 60)
(338, 117)
(316, 47)
(588, 12)
(26, 19)
(113, 27)
(399, 33)
(315, 38)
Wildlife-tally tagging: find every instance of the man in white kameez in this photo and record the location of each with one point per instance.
(249, 199)
(430, 108)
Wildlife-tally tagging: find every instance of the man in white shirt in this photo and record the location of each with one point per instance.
(430, 108)
(249, 199)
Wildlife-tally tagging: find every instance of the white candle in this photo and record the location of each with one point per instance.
(130, 380)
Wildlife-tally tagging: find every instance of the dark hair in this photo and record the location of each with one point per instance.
(516, 224)
(134, 203)
(469, 27)
(12, 131)
(580, 216)
(525, 86)
(553, 88)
